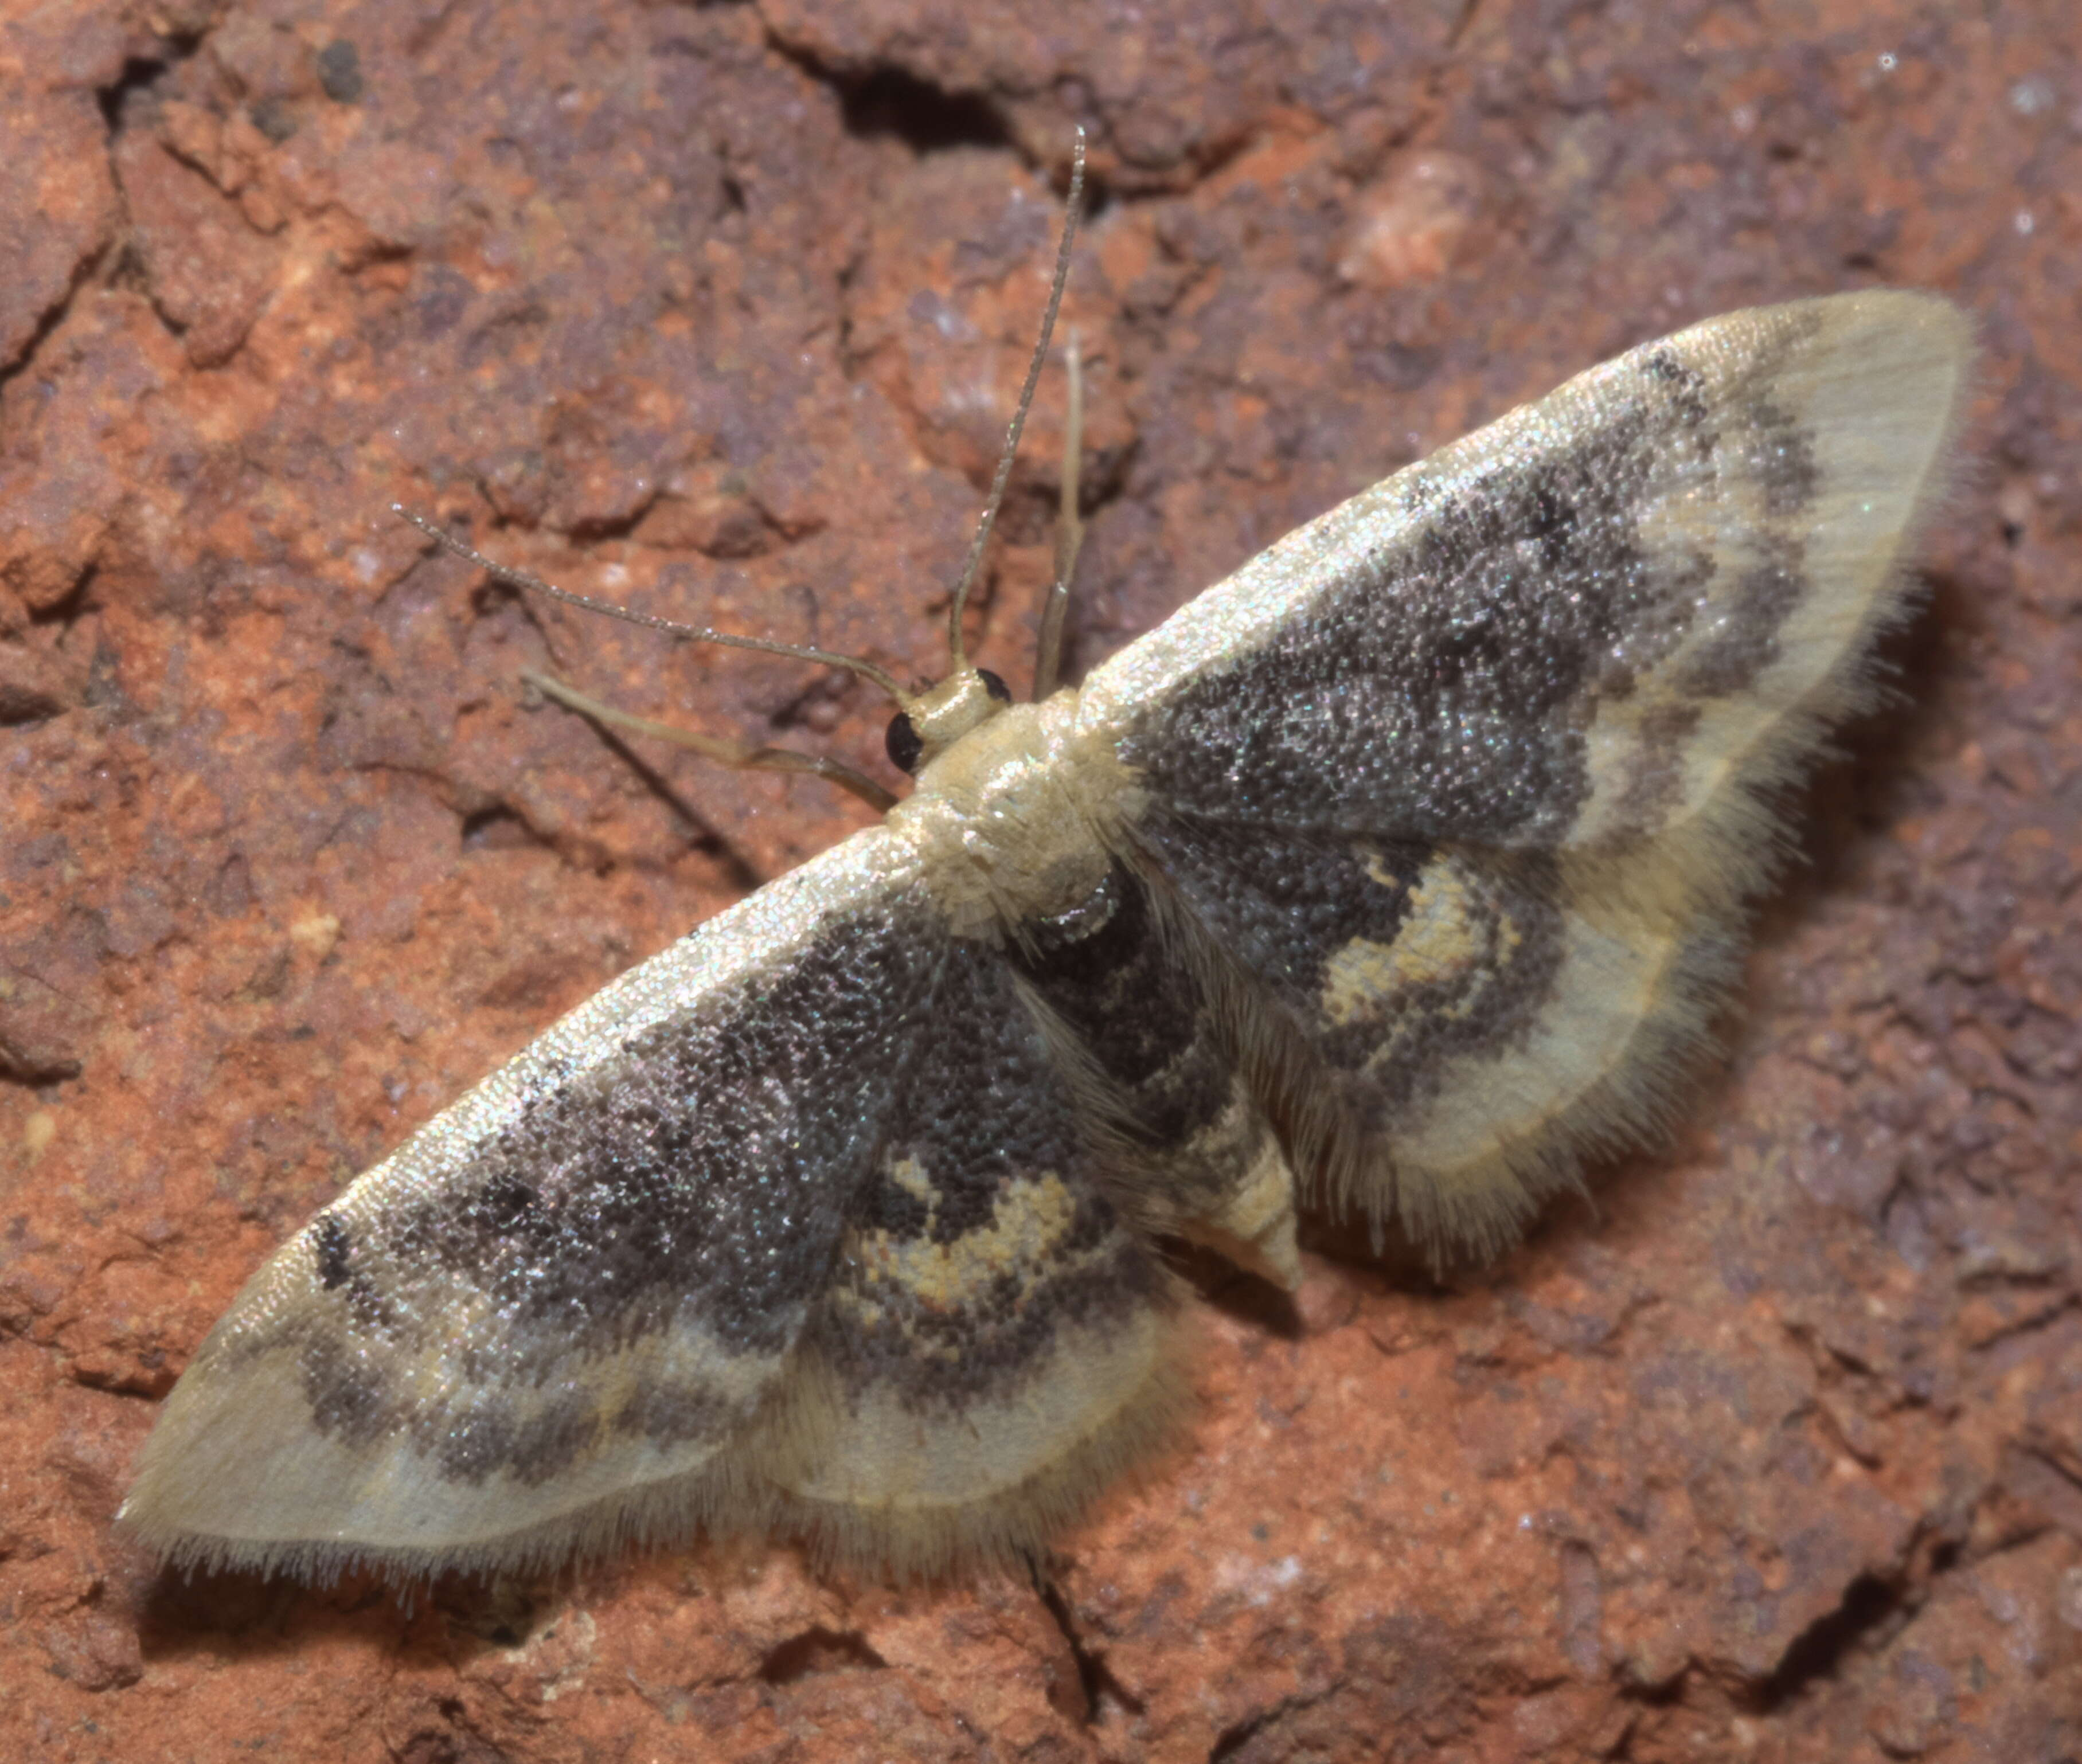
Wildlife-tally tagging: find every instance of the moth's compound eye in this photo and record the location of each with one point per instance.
(995, 686)
(902, 740)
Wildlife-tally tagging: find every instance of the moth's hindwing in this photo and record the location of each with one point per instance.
(995, 1341)
(1472, 775)
(1467, 1019)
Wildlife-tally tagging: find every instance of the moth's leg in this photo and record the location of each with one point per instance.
(1069, 529)
(729, 753)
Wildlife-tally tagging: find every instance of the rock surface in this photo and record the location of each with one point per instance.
(718, 310)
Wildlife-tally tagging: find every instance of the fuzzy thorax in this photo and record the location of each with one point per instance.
(1016, 820)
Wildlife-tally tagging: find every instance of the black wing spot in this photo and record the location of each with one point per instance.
(507, 1205)
(331, 1244)
(995, 686)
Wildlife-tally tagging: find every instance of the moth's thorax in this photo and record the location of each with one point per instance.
(1017, 819)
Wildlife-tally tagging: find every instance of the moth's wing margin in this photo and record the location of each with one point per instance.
(1565, 661)
(550, 1322)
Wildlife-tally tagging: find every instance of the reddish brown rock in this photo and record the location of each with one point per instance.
(1777, 1454)
(55, 190)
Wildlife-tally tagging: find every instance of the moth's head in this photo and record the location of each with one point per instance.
(932, 721)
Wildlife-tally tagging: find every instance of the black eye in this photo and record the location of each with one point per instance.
(902, 740)
(995, 686)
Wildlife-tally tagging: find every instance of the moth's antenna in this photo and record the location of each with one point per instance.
(695, 633)
(1069, 529)
(1073, 209)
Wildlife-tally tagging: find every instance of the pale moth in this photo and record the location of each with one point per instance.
(1394, 875)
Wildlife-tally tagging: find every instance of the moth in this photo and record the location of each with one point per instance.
(1397, 874)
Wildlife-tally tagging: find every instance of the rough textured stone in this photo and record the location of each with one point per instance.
(1777, 1454)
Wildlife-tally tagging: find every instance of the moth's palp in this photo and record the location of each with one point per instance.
(1072, 209)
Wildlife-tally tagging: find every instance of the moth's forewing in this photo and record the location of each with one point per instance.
(576, 1287)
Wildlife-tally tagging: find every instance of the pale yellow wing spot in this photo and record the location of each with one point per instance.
(1448, 936)
(1029, 1223)
(909, 1175)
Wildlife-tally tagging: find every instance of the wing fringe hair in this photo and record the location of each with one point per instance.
(740, 1499)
